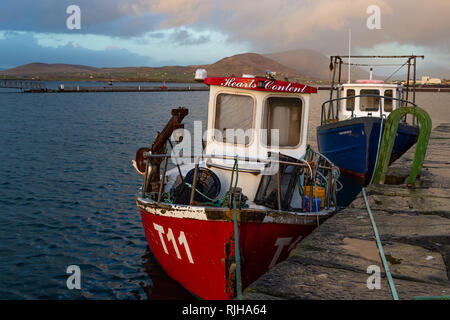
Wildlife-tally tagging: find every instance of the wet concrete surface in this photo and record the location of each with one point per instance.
(414, 227)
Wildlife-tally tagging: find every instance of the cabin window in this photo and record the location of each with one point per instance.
(284, 114)
(234, 116)
(388, 102)
(369, 103)
(350, 101)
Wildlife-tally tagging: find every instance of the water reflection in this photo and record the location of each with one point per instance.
(160, 286)
(352, 186)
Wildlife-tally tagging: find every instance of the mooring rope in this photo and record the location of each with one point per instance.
(199, 192)
(374, 225)
(432, 298)
(378, 149)
(236, 234)
(380, 248)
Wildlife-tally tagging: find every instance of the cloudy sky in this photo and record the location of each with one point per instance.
(118, 33)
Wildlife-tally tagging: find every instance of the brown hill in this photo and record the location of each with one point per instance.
(246, 63)
(313, 64)
(46, 69)
(75, 72)
(249, 63)
(296, 64)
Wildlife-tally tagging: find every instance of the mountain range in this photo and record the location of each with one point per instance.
(297, 65)
(312, 64)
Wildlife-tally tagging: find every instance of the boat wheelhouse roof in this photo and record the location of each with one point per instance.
(260, 84)
(368, 83)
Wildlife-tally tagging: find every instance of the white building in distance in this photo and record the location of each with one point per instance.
(425, 80)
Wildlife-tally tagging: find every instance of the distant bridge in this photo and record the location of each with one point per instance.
(23, 84)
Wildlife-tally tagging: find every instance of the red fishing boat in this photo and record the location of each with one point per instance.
(251, 191)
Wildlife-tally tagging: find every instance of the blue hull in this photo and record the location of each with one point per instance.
(352, 144)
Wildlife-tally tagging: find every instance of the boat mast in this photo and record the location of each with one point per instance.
(349, 52)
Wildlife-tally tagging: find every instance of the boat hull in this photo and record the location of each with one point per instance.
(195, 245)
(353, 144)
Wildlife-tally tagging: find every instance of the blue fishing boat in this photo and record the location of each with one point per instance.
(353, 119)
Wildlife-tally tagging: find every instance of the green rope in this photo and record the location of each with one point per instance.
(232, 177)
(200, 193)
(308, 150)
(380, 247)
(300, 186)
(432, 298)
(236, 240)
(217, 203)
(167, 198)
(378, 149)
(236, 253)
(235, 167)
(237, 174)
(224, 202)
(152, 195)
(236, 233)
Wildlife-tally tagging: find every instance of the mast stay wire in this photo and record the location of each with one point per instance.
(396, 71)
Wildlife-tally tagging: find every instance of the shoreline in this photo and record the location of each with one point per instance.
(112, 88)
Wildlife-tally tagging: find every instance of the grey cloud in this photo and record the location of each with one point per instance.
(23, 48)
(105, 17)
(185, 38)
(319, 24)
(267, 25)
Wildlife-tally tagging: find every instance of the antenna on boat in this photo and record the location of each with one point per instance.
(349, 52)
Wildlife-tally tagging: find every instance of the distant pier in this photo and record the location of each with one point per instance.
(414, 226)
(66, 89)
(36, 86)
(172, 89)
(24, 85)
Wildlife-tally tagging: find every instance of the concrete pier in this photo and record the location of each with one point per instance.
(414, 227)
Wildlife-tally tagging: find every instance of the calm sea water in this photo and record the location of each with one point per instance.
(67, 190)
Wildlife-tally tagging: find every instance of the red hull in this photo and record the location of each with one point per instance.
(199, 253)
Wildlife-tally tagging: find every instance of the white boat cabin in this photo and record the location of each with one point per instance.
(242, 115)
(369, 105)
